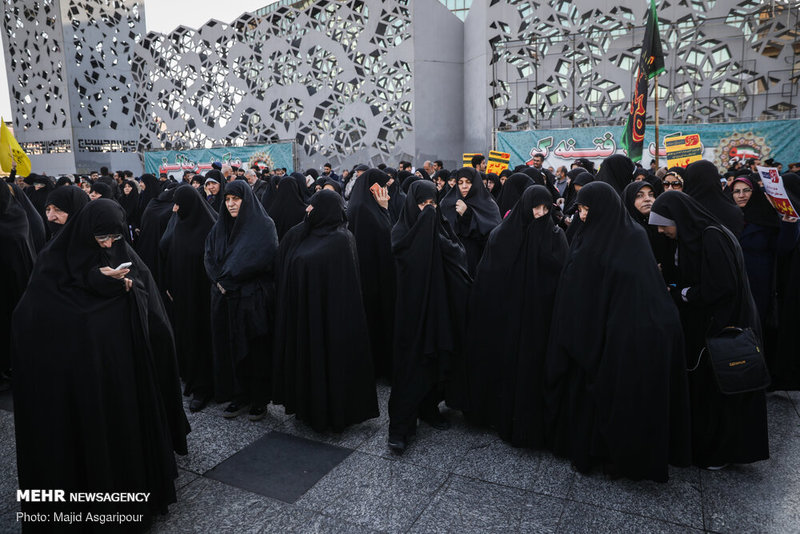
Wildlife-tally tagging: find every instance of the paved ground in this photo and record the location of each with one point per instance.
(462, 480)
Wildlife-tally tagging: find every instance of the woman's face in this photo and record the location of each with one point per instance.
(672, 181)
(55, 215)
(127, 189)
(440, 184)
(490, 185)
(424, 203)
(86, 186)
(644, 200)
(583, 212)
(540, 211)
(233, 203)
(669, 231)
(742, 193)
(464, 185)
(212, 188)
(94, 195)
(107, 241)
(452, 182)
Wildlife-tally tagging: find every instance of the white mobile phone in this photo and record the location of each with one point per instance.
(123, 265)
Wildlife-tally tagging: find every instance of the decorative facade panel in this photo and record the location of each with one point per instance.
(336, 77)
(558, 63)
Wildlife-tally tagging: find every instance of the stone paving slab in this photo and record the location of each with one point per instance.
(581, 517)
(279, 465)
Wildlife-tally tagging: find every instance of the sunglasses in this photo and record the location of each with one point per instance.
(673, 185)
(113, 237)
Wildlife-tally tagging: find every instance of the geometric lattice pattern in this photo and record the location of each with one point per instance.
(103, 35)
(334, 76)
(35, 65)
(558, 63)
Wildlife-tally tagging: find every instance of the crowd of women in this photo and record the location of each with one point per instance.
(568, 314)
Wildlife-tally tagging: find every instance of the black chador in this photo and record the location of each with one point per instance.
(615, 381)
(713, 292)
(515, 185)
(784, 363)
(240, 256)
(69, 199)
(481, 216)
(703, 184)
(432, 290)
(97, 408)
(18, 255)
(188, 288)
(371, 226)
(322, 361)
(509, 320)
(288, 206)
(155, 220)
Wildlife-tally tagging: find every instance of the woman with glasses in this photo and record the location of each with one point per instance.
(672, 182)
(97, 409)
(764, 238)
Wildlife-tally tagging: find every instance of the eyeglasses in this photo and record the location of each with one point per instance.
(113, 237)
(673, 185)
(744, 191)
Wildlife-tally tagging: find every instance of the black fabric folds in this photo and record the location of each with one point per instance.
(110, 394)
(432, 291)
(725, 428)
(702, 182)
(616, 389)
(617, 171)
(481, 217)
(509, 317)
(69, 199)
(322, 365)
(371, 226)
(18, 255)
(784, 366)
(288, 206)
(155, 220)
(515, 185)
(186, 282)
(663, 247)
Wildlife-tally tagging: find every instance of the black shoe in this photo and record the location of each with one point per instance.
(234, 410)
(198, 403)
(397, 444)
(437, 421)
(257, 413)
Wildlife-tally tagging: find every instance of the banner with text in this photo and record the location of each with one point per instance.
(776, 193)
(778, 140)
(199, 160)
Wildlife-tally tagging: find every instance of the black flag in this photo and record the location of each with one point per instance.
(651, 63)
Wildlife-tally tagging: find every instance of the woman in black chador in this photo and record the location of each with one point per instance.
(62, 203)
(155, 219)
(322, 364)
(702, 183)
(616, 391)
(713, 292)
(432, 290)
(288, 205)
(240, 256)
(784, 362)
(96, 409)
(638, 198)
(515, 185)
(18, 255)
(472, 213)
(369, 220)
(189, 290)
(510, 310)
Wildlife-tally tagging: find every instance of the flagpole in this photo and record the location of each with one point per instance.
(657, 143)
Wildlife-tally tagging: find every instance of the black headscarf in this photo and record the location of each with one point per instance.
(410, 179)
(102, 189)
(242, 248)
(702, 182)
(432, 290)
(485, 213)
(39, 196)
(125, 366)
(302, 186)
(217, 201)
(758, 209)
(154, 222)
(655, 182)
(323, 370)
(662, 246)
(616, 381)
(371, 226)
(397, 197)
(152, 188)
(333, 183)
(540, 178)
(268, 196)
(130, 202)
(69, 199)
(288, 207)
(515, 185)
(509, 321)
(496, 188)
(617, 171)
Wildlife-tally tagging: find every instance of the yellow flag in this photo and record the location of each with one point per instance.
(11, 151)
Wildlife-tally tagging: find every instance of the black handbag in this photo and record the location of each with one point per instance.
(737, 361)
(737, 358)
